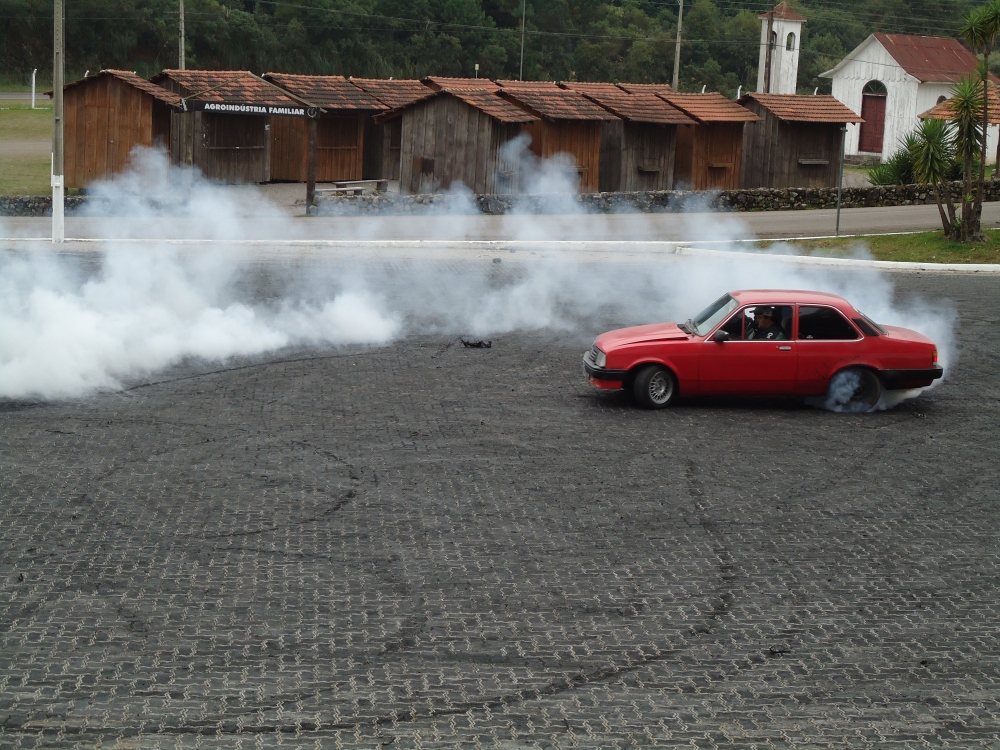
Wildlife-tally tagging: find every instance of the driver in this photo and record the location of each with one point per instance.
(765, 326)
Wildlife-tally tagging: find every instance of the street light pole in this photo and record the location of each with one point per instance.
(840, 176)
(768, 51)
(58, 68)
(677, 46)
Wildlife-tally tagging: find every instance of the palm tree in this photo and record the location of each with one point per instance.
(932, 152)
(981, 30)
(966, 107)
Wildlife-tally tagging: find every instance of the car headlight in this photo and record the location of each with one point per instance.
(600, 358)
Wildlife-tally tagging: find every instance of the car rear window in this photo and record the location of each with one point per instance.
(872, 323)
(824, 323)
(866, 328)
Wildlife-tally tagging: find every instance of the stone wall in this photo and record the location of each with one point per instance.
(758, 199)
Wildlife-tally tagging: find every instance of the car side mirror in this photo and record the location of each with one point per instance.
(721, 336)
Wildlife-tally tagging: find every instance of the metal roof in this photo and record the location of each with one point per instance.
(784, 12)
(157, 92)
(929, 58)
(796, 108)
(443, 82)
(328, 92)
(557, 104)
(640, 107)
(393, 93)
(709, 107)
(227, 86)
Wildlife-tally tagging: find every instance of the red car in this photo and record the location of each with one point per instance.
(766, 343)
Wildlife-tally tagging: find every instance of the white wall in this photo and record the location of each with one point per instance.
(784, 62)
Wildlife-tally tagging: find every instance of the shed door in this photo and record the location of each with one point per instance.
(873, 127)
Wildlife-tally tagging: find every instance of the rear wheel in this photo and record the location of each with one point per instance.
(654, 387)
(856, 389)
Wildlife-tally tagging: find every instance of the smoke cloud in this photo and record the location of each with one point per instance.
(75, 324)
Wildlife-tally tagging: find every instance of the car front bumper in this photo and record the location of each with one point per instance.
(602, 377)
(897, 380)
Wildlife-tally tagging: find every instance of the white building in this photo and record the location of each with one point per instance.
(890, 79)
(786, 37)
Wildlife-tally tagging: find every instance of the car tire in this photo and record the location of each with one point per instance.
(654, 387)
(856, 390)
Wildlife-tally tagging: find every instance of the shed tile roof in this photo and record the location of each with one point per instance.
(929, 58)
(157, 92)
(521, 85)
(646, 88)
(640, 108)
(709, 107)
(557, 104)
(227, 86)
(942, 111)
(785, 12)
(492, 104)
(328, 92)
(393, 93)
(443, 82)
(590, 88)
(796, 108)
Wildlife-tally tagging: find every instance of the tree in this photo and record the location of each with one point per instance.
(932, 152)
(966, 108)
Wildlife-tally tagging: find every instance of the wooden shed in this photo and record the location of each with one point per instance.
(106, 116)
(710, 152)
(459, 135)
(383, 139)
(224, 127)
(795, 143)
(340, 129)
(567, 122)
(637, 151)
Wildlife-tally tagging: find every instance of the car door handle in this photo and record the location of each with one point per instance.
(784, 348)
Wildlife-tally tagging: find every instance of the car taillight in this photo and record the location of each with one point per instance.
(934, 357)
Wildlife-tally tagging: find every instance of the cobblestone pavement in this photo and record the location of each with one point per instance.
(426, 545)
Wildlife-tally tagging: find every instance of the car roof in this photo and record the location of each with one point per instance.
(775, 296)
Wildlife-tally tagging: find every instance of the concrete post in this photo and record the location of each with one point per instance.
(58, 71)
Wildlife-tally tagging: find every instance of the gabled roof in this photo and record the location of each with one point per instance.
(157, 92)
(640, 108)
(557, 104)
(784, 12)
(943, 111)
(443, 82)
(227, 86)
(328, 92)
(796, 108)
(929, 59)
(393, 93)
(522, 85)
(709, 107)
(645, 88)
(486, 101)
(590, 88)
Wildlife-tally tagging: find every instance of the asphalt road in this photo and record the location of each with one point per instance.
(427, 545)
(680, 227)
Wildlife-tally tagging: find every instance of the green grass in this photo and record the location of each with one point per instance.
(925, 247)
(24, 159)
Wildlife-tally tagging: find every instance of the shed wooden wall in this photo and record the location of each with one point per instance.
(382, 149)
(444, 140)
(232, 149)
(773, 151)
(709, 156)
(612, 147)
(339, 148)
(581, 139)
(647, 157)
(104, 119)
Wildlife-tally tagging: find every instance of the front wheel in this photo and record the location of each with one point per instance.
(855, 389)
(654, 387)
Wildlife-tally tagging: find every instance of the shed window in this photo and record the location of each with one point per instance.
(790, 42)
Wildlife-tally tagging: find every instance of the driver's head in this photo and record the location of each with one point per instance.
(764, 316)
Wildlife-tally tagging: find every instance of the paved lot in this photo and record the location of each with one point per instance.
(426, 545)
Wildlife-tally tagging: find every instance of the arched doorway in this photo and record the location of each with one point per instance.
(873, 113)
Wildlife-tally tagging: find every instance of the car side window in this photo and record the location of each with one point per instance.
(734, 326)
(768, 323)
(824, 324)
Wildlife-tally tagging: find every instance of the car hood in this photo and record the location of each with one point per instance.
(639, 335)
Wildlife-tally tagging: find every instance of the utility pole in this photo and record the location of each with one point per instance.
(58, 68)
(770, 48)
(33, 87)
(180, 39)
(677, 46)
(840, 175)
(520, 76)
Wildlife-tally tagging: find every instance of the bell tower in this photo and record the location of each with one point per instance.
(786, 38)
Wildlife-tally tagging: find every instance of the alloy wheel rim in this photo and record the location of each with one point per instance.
(659, 388)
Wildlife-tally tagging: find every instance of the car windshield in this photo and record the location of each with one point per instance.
(711, 316)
